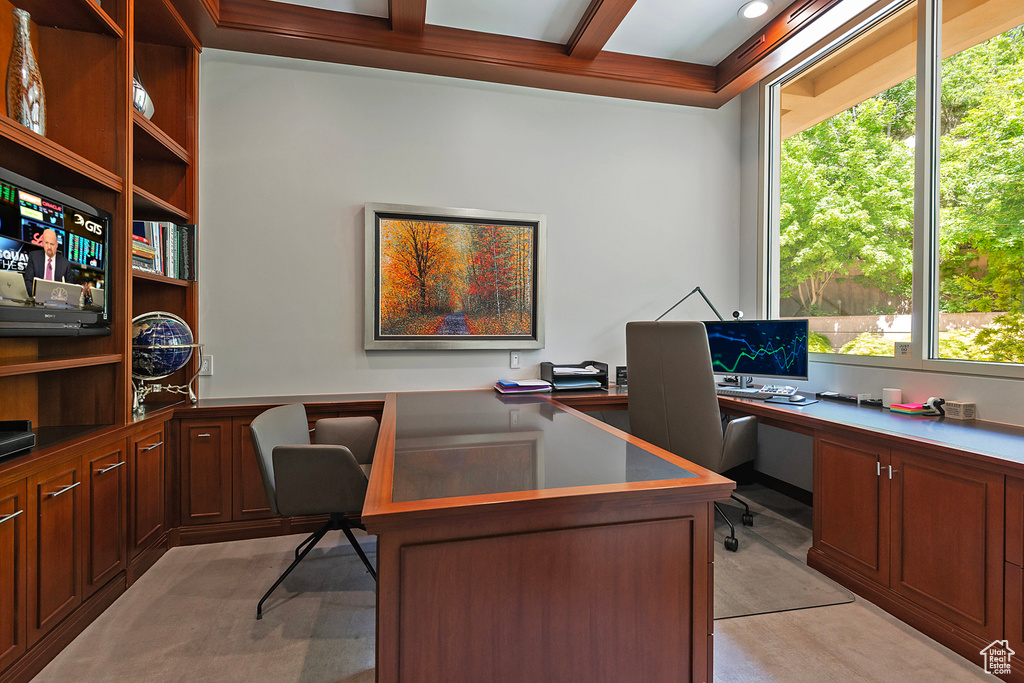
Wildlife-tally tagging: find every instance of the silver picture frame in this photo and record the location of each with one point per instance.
(387, 334)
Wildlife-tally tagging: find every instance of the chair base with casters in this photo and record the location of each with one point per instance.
(337, 521)
(732, 543)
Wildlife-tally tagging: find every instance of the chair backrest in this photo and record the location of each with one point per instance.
(281, 426)
(672, 399)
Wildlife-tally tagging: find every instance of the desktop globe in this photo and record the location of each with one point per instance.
(162, 344)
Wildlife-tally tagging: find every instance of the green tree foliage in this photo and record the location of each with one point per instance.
(982, 171)
(818, 343)
(848, 200)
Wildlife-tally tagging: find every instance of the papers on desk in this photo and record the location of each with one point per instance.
(577, 383)
(521, 386)
(574, 370)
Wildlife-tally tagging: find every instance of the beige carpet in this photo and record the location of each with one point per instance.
(760, 578)
(192, 617)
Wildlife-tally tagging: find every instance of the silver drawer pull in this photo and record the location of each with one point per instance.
(201, 436)
(107, 469)
(152, 446)
(10, 516)
(63, 490)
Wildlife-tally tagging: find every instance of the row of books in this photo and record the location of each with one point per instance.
(164, 248)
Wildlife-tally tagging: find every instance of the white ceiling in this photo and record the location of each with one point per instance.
(696, 31)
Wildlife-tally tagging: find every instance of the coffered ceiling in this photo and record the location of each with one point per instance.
(696, 52)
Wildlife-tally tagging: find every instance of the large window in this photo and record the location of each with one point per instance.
(852, 195)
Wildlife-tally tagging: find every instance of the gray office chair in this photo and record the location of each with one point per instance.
(673, 404)
(303, 478)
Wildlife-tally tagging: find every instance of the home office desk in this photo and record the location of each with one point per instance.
(922, 516)
(519, 540)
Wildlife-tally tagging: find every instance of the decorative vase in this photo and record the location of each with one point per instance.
(140, 97)
(26, 102)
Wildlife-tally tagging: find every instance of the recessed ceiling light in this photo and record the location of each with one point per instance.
(754, 9)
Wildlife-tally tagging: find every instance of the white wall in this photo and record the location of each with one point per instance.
(641, 202)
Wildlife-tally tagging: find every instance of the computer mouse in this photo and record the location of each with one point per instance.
(797, 398)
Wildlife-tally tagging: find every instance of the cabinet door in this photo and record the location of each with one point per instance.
(147, 508)
(249, 497)
(947, 534)
(105, 518)
(205, 471)
(1013, 606)
(13, 520)
(851, 504)
(55, 576)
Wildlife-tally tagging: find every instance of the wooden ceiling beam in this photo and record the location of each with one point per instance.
(596, 27)
(408, 16)
(267, 27)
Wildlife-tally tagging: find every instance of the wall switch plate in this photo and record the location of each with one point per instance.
(206, 366)
(901, 349)
(513, 360)
(513, 418)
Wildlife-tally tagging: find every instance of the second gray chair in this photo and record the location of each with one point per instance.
(673, 404)
(328, 477)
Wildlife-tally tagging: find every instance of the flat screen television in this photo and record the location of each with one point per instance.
(775, 349)
(83, 234)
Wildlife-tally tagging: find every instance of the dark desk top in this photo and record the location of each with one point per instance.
(987, 440)
(466, 443)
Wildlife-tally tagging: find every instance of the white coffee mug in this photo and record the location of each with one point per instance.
(891, 396)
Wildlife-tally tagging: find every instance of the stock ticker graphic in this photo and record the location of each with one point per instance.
(763, 347)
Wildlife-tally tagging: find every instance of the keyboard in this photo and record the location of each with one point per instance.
(767, 391)
(736, 392)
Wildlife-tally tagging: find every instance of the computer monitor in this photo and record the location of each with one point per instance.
(775, 349)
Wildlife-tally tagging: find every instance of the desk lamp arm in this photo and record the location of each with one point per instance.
(695, 290)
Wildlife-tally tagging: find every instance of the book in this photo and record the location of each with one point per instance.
(521, 386)
(912, 409)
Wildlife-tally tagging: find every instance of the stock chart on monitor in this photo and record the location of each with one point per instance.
(765, 348)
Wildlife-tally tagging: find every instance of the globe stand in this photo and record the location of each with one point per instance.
(141, 390)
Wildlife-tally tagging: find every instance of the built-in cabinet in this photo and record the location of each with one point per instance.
(1014, 568)
(147, 493)
(205, 471)
(105, 516)
(923, 532)
(13, 566)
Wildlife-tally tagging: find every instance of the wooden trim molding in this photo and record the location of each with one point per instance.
(404, 42)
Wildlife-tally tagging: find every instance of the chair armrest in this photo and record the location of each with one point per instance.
(740, 444)
(318, 479)
(358, 433)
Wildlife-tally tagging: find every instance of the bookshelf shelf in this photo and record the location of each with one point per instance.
(158, 22)
(39, 156)
(150, 142)
(147, 206)
(156, 277)
(80, 15)
(14, 366)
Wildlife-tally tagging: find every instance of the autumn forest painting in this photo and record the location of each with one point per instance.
(439, 277)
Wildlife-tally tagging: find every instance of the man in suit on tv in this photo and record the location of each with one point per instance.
(47, 263)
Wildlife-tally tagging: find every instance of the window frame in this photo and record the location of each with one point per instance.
(925, 303)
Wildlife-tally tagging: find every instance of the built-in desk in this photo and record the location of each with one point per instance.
(924, 516)
(518, 540)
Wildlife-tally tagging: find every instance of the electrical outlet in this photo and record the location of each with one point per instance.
(513, 360)
(901, 349)
(206, 366)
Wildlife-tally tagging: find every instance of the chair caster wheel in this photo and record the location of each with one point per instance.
(732, 543)
(748, 519)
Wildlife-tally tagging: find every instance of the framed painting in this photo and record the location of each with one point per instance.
(441, 278)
